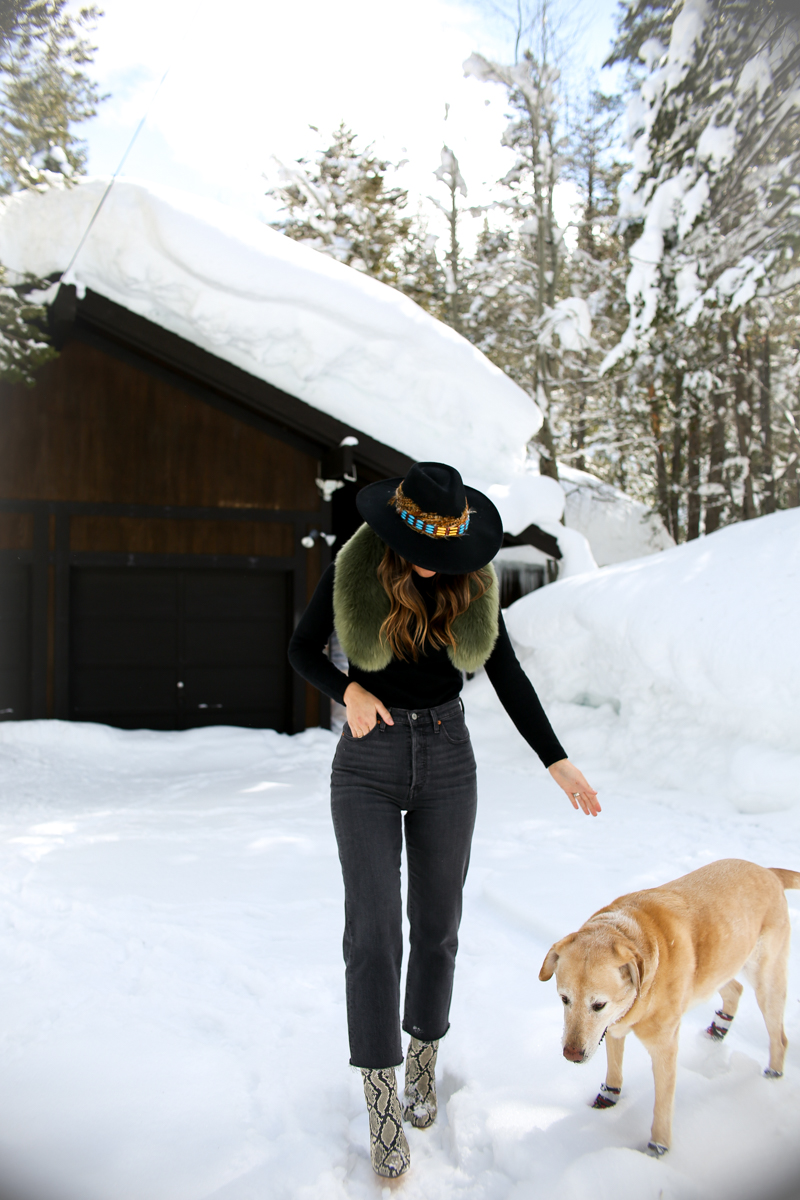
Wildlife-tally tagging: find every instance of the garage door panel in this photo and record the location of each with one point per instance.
(118, 593)
(15, 641)
(115, 690)
(247, 688)
(139, 633)
(270, 717)
(106, 641)
(220, 595)
(240, 643)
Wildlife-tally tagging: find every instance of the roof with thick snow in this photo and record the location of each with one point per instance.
(342, 342)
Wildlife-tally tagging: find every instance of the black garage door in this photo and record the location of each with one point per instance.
(15, 641)
(174, 648)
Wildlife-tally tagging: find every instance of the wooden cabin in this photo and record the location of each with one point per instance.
(153, 505)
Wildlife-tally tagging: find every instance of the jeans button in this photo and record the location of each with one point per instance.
(413, 716)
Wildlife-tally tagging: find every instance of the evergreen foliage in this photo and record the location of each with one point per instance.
(341, 204)
(44, 92)
(449, 173)
(709, 359)
(660, 334)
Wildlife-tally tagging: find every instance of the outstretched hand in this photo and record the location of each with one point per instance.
(573, 783)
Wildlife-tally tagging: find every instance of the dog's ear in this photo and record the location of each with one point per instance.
(630, 963)
(631, 969)
(551, 958)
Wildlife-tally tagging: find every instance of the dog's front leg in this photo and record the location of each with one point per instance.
(615, 1048)
(609, 1092)
(664, 1053)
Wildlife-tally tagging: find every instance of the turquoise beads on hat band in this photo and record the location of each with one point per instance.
(439, 528)
(431, 524)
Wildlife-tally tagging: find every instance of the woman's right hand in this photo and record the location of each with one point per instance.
(363, 710)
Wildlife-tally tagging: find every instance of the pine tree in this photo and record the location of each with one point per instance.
(421, 276)
(593, 421)
(449, 173)
(340, 204)
(545, 325)
(711, 214)
(44, 93)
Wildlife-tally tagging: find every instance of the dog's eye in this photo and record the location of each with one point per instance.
(599, 1005)
(565, 1000)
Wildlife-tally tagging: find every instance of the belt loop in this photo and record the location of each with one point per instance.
(461, 702)
(437, 724)
(382, 724)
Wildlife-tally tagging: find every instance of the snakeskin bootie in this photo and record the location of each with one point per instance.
(388, 1146)
(419, 1099)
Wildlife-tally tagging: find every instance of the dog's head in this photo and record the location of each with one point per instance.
(598, 976)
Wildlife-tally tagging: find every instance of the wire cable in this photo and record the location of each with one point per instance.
(111, 181)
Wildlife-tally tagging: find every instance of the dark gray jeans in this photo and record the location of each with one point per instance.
(422, 766)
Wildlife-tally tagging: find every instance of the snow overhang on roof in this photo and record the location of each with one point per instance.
(342, 342)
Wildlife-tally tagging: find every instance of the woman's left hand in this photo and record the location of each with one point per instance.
(571, 781)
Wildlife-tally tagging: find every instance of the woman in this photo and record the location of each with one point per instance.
(414, 605)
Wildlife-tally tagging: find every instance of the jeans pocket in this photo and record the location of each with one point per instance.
(349, 736)
(455, 730)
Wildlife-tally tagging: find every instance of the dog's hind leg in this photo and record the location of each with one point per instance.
(609, 1092)
(767, 971)
(731, 994)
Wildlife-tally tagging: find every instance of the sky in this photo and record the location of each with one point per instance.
(245, 83)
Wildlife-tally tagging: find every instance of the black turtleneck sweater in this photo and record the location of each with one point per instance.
(430, 681)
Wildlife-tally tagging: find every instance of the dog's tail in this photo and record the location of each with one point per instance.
(789, 879)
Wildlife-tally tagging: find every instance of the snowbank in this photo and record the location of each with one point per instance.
(343, 342)
(617, 526)
(691, 659)
(602, 524)
(538, 500)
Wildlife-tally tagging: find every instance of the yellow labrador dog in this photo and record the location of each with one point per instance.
(641, 962)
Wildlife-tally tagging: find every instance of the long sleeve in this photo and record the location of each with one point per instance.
(307, 647)
(519, 699)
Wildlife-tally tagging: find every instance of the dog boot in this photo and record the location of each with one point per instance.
(607, 1097)
(656, 1150)
(388, 1146)
(419, 1098)
(720, 1026)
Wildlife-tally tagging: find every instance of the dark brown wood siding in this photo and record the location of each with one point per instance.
(95, 429)
(107, 464)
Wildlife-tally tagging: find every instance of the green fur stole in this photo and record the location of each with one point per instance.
(360, 606)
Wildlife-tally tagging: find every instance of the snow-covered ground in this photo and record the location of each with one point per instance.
(172, 1020)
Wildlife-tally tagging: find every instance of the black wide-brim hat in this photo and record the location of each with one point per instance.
(440, 524)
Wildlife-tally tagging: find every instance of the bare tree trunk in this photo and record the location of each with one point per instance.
(744, 432)
(716, 462)
(792, 478)
(765, 421)
(693, 472)
(676, 466)
(579, 433)
(792, 474)
(454, 256)
(661, 465)
(744, 422)
(547, 449)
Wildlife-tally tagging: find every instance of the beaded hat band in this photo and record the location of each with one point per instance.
(431, 524)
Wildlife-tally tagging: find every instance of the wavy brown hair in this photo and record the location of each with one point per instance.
(408, 626)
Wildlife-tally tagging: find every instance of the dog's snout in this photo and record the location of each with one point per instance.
(574, 1054)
